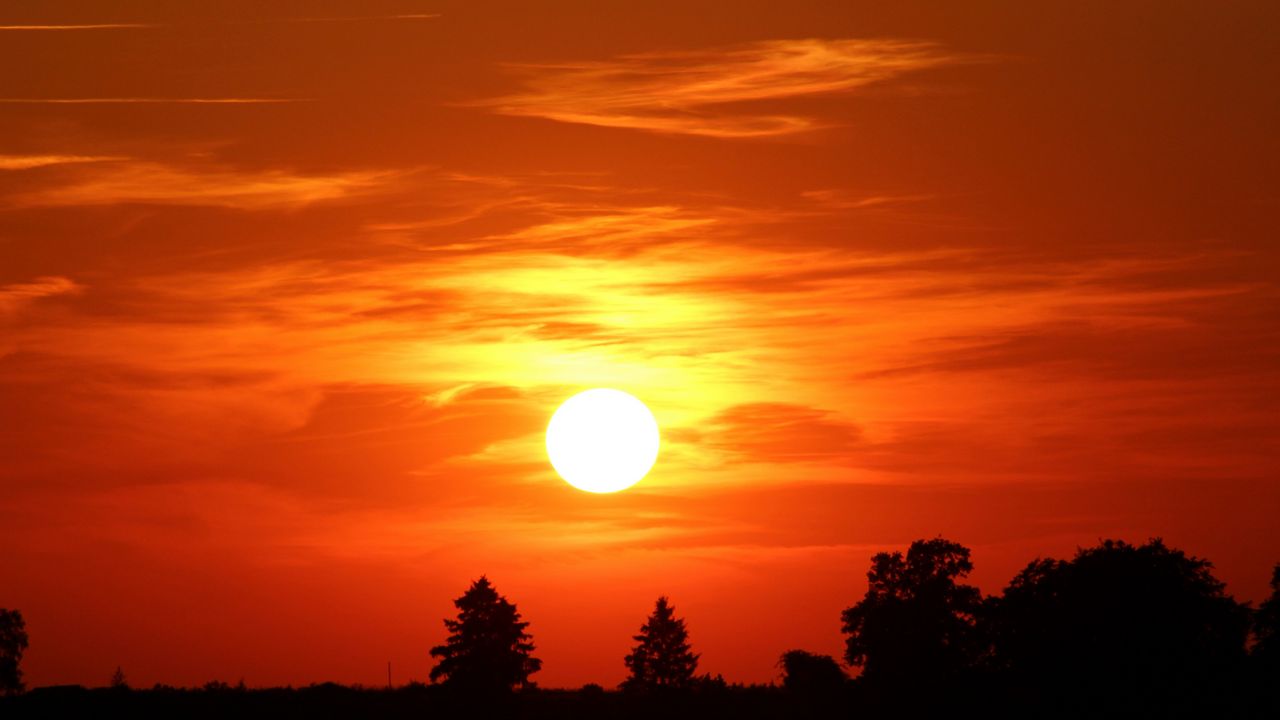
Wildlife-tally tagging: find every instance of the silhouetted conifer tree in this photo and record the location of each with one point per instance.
(13, 642)
(488, 648)
(662, 658)
(916, 623)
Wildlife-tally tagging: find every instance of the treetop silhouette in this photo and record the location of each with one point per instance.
(915, 620)
(488, 648)
(1266, 625)
(662, 657)
(1118, 614)
(13, 643)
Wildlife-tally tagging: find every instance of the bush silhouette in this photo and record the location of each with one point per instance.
(916, 623)
(662, 658)
(488, 649)
(805, 673)
(1117, 619)
(13, 643)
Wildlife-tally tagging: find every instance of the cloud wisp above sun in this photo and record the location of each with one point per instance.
(696, 92)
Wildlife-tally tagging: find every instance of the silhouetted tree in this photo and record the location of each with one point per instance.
(13, 643)
(1266, 625)
(1264, 676)
(118, 681)
(706, 682)
(488, 648)
(805, 673)
(915, 622)
(1117, 620)
(662, 658)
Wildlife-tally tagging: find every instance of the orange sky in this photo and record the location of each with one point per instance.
(288, 295)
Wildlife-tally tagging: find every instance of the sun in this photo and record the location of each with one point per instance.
(602, 440)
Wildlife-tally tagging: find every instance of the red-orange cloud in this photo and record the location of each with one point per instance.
(699, 92)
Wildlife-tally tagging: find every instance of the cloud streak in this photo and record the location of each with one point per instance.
(150, 26)
(109, 183)
(696, 92)
(13, 297)
(26, 162)
(358, 18)
(151, 101)
(95, 26)
(779, 432)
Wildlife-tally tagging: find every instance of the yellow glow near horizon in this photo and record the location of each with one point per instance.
(602, 440)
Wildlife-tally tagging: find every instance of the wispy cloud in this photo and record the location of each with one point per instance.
(614, 231)
(159, 183)
(13, 297)
(840, 200)
(148, 26)
(95, 26)
(151, 101)
(357, 18)
(690, 91)
(26, 162)
(778, 432)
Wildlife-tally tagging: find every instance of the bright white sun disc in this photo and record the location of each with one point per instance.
(602, 440)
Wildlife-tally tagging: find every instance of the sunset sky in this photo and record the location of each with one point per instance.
(290, 290)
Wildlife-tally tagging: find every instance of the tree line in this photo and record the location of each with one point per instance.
(1117, 621)
(1117, 625)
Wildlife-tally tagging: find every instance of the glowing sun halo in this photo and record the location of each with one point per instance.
(602, 440)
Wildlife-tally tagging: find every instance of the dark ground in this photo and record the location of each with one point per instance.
(423, 702)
